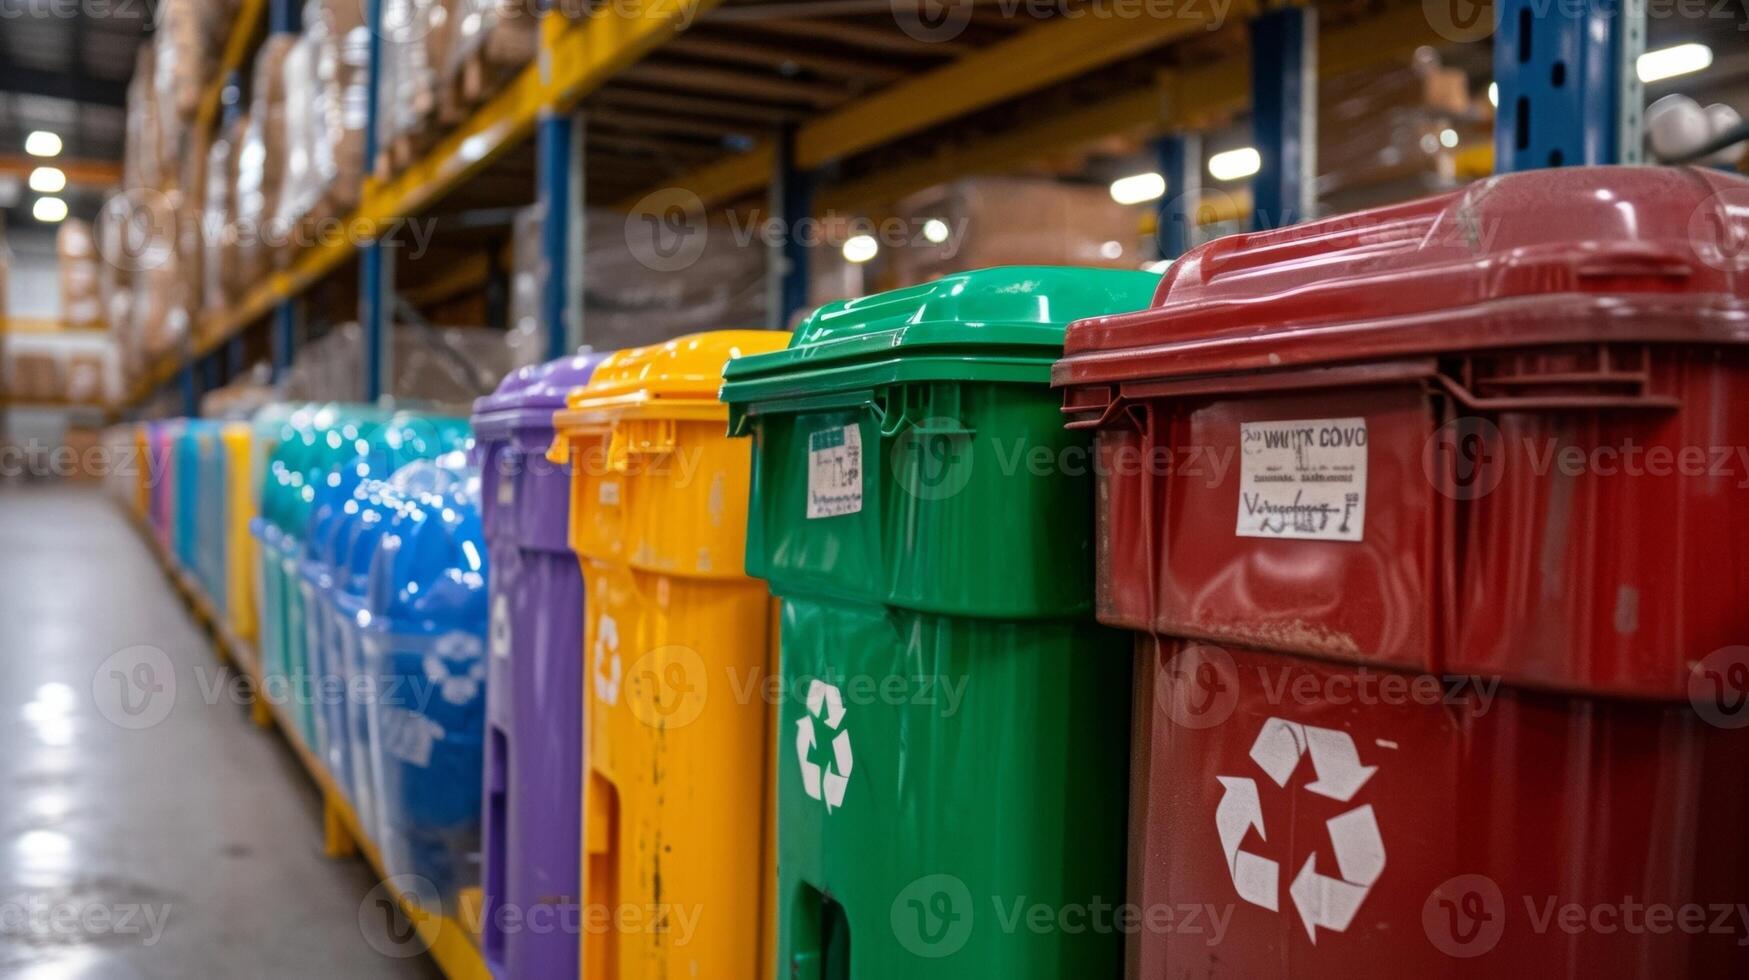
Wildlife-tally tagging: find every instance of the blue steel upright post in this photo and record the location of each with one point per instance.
(559, 163)
(283, 17)
(190, 390)
(791, 202)
(1284, 105)
(1569, 85)
(1181, 165)
(376, 277)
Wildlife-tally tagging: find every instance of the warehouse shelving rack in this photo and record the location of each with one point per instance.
(900, 131)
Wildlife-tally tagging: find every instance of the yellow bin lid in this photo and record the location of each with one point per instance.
(677, 380)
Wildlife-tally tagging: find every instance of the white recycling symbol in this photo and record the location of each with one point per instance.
(608, 670)
(825, 702)
(1322, 901)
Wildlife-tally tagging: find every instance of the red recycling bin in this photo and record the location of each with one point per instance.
(1435, 519)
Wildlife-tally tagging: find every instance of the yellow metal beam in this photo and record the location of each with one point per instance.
(1185, 99)
(80, 173)
(245, 31)
(1038, 57)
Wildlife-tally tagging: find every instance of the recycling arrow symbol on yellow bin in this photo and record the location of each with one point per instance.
(825, 702)
(1322, 901)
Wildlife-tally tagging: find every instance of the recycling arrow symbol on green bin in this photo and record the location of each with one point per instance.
(1321, 900)
(826, 703)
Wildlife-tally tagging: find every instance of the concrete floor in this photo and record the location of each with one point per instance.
(147, 829)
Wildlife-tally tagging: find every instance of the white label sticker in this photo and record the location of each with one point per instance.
(1303, 479)
(835, 472)
(608, 495)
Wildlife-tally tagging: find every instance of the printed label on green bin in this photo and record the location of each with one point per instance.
(835, 472)
(1303, 479)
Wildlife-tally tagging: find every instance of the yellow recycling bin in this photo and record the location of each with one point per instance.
(678, 646)
(143, 472)
(238, 440)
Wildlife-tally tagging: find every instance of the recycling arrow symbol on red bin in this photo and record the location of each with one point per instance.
(1322, 901)
(826, 703)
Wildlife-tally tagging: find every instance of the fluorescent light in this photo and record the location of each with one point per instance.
(41, 143)
(49, 209)
(860, 248)
(1448, 138)
(47, 180)
(1494, 94)
(1682, 59)
(935, 231)
(1138, 188)
(1235, 164)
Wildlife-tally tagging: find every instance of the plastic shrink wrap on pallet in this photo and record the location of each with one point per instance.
(626, 303)
(141, 158)
(300, 190)
(218, 211)
(490, 41)
(190, 212)
(995, 221)
(54, 368)
(187, 36)
(526, 339)
(261, 161)
(441, 367)
(408, 79)
(115, 286)
(76, 256)
(341, 48)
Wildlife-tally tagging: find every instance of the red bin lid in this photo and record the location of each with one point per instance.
(1569, 255)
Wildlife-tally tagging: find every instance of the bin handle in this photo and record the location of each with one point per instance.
(650, 438)
(1637, 397)
(892, 423)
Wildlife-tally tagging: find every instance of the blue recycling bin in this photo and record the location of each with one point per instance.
(328, 538)
(189, 500)
(425, 649)
(214, 513)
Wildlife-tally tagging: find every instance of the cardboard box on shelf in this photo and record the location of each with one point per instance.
(1014, 221)
(77, 258)
(261, 166)
(341, 44)
(218, 220)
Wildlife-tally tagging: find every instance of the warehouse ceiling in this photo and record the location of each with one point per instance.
(64, 68)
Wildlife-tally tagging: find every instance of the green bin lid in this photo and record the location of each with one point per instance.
(999, 325)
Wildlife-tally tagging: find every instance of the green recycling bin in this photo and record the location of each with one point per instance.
(953, 729)
(311, 445)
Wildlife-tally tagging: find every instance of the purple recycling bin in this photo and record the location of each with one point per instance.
(534, 688)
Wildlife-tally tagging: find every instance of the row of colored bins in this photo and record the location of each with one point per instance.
(373, 579)
(190, 481)
(1307, 462)
(923, 514)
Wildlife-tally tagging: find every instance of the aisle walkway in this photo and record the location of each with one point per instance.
(147, 829)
